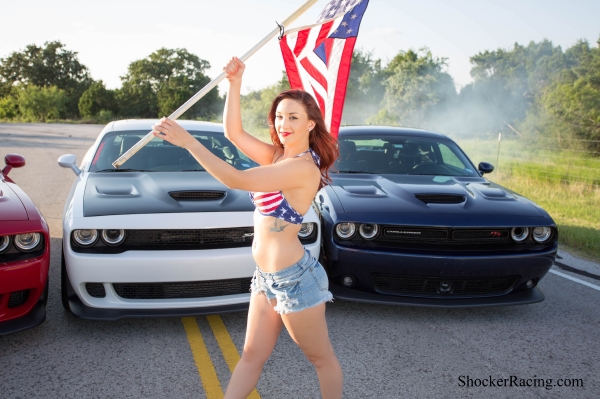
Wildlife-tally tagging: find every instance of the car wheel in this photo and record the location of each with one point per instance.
(64, 283)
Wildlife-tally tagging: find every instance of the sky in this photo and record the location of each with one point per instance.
(111, 34)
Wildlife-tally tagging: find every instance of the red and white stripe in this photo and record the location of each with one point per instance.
(267, 202)
(305, 70)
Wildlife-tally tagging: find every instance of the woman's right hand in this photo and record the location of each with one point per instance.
(234, 69)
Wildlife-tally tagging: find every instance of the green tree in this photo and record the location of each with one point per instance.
(417, 90)
(95, 99)
(507, 83)
(50, 65)
(38, 104)
(157, 85)
(574, 97)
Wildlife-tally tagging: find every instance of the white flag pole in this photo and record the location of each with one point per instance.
(138, 146)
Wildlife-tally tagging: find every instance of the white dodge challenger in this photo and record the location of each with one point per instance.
(159, 236)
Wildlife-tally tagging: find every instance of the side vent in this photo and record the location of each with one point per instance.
(441, 198)
(18, 298)
(197, 195)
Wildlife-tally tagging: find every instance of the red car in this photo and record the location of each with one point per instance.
(24, 255)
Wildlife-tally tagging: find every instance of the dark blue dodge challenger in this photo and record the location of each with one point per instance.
(410, 220)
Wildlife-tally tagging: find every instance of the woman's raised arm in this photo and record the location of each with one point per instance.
(291, 173)
(255, 149)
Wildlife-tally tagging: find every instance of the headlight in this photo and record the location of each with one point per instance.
(542, 234)
(4, 243)
(85, 238)
(519, 234)
(28, 241)
(368, 231)
(113, 237)
(345, 230)
(306, 230)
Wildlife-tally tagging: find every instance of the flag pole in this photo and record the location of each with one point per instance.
(188, 104)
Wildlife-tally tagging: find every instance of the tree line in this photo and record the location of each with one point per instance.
(49, 82)
(535, 91)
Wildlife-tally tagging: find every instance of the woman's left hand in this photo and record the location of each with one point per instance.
(172, 132)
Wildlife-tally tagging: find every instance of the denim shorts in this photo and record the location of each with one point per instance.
(296, 288)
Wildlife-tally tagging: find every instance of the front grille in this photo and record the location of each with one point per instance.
(401, 233)
(163, 240)
(18, 298)
(441, 198)
(196, 289)
(496, 235)
(418, 286)
(439, 238)
(194, 238)
(196, 195)
(95, 290)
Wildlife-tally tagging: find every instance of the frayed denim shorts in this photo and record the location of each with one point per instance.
(296, 288)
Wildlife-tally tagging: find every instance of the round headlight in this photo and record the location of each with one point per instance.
(368, 231)
(86, 237)
(306, 230)
(345, 230)
(519, 234)
(4, 243)
(28, 241)
(113, 237)
(542, 234)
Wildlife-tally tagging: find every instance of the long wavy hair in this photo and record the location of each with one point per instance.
(321, 142)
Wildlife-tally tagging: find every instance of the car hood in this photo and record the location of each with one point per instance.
(11, 207)
(397, 194)
(124, 193)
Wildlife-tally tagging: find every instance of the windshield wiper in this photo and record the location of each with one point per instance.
(122, 170)
(354, 171)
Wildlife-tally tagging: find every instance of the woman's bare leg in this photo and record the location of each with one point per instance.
(308, 329)
(262, 331)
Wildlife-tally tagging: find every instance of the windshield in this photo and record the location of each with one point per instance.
(161, 156)
(401, 156)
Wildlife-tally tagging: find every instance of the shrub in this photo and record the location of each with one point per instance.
(95, 99)
(41, 103)
(8, 108)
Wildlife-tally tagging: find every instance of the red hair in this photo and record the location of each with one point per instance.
(321, 142)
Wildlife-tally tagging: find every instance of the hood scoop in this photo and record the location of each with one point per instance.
(197, 195)
(441, 198)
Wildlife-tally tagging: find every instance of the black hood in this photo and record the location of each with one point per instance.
(125, 193)
(422, 198)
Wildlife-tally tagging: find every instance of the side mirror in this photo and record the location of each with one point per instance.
(13, 161)
(69, 161)
(485, 167)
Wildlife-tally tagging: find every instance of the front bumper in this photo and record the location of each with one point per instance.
(520, 298)
(29, 276)
(157, 267)
(364, 265)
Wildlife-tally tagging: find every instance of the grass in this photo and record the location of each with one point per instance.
(565, 183)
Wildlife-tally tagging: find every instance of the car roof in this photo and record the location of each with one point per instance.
(146, 124)
(388, 130)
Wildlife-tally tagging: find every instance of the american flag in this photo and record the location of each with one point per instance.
(317, 58)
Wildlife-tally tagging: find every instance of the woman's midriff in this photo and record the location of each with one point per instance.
(275, 246)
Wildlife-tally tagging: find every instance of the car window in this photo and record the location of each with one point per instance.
(401, 155)
(161, 156)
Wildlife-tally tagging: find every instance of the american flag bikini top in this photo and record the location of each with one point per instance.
(274, 204)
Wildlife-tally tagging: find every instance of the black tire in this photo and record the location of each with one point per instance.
(64, 283)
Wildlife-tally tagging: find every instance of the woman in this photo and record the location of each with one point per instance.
(289, 286)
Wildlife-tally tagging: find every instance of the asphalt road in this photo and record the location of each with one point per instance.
(385, 351)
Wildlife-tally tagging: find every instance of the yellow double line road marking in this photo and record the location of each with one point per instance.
(206, 369)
